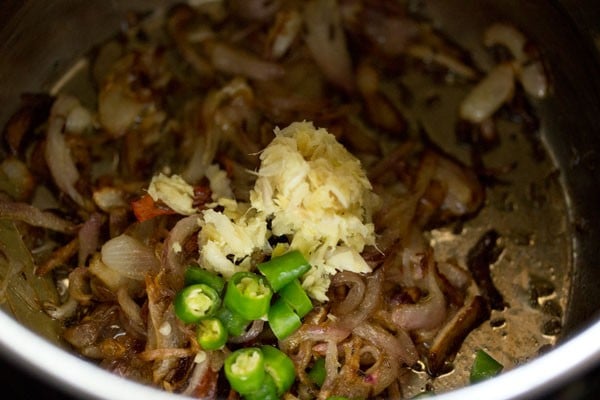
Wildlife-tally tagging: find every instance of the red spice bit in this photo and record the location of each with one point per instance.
(146, 208)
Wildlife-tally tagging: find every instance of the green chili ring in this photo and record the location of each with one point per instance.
(234, 323)
(248, 295)
(194, 274)
(267, 391)
(484, 367)
(283, 320)
(245, 370)
(280, 367)
(282, 270)
(195, 302)
(293, 293)
(211, 334)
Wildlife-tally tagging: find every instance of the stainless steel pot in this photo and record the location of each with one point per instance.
(40, 40)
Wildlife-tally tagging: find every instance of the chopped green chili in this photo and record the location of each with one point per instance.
(282, 270)
(234, 323)
(196, 302)
(283, 320)
(195, 274)
(248, 295)
(280, 367)
(211, 334)
(484, 367)
(267, 391)
(294, 294)
(245, 370)
(318, 373)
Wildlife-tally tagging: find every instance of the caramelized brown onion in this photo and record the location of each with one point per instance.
(234, 61)
(255, 329)
(171, 257)
(202, 384)
(89, 237)
(326, 41)
(400, 347)
(369, 303)
(355, 294)
(58, 154)
(427, 313)
(35, 217)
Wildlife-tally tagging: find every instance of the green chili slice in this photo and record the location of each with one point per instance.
(318, 373)
(294, 294)
(248, 295)
(267, 391)
(245, 370)
(282, 319)
(196, 302)
(195, 274)
(234, 323)
(484, 367)
(211, 334)
(282, 270)
(280, 367)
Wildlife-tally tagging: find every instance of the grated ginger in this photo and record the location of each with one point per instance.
(309, 188)
(227, 240)
(174, 191)
(317, 193)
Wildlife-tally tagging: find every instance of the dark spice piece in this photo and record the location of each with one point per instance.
(479, 259)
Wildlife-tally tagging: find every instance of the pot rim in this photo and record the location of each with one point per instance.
(81, 378)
